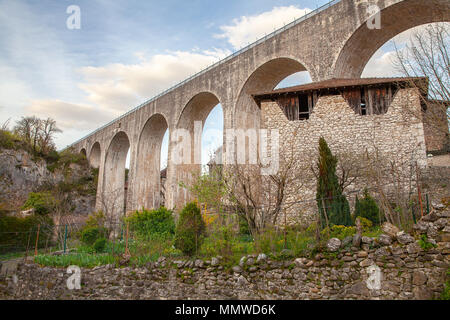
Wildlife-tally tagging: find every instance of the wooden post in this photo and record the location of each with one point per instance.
(418, 190)
(65, 238)
(28, 244)
(127, 252)
(326, 216)
(37, 239)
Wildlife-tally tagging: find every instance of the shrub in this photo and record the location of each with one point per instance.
(425, 244)
(244, 229)
(15, 232)
(367, 208)
(338, 231)
(42, 202)
(100, 245)
(91, 234)
(156, 222)
(190, 229)
(6, 140)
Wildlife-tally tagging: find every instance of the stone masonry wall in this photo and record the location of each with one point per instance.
(397, 136)
(342, 271)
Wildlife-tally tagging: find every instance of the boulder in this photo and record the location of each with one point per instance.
(334, 244)
(390, 229)
(366, 240)
(432, 217)
(348, 240)
(261, 257)
(214, 262)
(385, 240)
(404, 238)
(356, 241)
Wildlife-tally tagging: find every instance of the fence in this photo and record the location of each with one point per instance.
(60, 239)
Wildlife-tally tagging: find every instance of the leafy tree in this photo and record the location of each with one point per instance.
(190, 229)
(333, 205)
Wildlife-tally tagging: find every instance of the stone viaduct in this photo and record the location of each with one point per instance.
(332, 42)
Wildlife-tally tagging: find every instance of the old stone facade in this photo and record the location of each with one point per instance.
(397, 136)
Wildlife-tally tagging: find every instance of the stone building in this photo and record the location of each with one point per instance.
(380, 116)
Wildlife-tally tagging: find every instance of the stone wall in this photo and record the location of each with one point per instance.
(407, 271)
(397, 136)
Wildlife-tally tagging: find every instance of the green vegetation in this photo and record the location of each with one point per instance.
(445, 295)
(333, 205)
(91, 234)
(100, 245)
(16, 234)
(149, 223)
(190, 229)
(41, 202)
(367, 208)
(425, 244)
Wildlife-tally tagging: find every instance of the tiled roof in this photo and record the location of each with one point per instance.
(340, 83)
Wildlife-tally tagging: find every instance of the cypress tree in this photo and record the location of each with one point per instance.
(329, 192)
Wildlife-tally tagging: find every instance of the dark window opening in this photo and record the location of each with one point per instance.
(298, 107)
(370, 100)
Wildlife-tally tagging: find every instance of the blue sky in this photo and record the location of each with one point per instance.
(125, 53)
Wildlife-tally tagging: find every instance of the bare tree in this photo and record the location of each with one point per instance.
(48, 130)
(37, 133)
(427, 55)
(262, 199)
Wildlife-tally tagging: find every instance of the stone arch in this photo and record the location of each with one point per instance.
(94, 156)
(113, 199)
(186, 155)
(264, 78)
(246, 113)
(83, 151)
(395, 19)
(147, 190)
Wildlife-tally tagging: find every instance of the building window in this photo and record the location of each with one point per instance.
(298, 107)
(370, 100)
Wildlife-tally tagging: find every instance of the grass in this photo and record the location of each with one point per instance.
(276, 245)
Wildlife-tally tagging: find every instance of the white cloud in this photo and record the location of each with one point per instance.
(247, 29)
(381, 63)
(70, 115)
(122, 86)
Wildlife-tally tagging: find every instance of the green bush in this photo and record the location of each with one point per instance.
(42, 202)
(91, 234)
(100, 245)
(190, 229)
(367, 208)
(338, 231)
(156, 222)
(18, 233)
(6, 140)
(244, 229)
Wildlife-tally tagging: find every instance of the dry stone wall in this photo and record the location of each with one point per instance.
(393, 266)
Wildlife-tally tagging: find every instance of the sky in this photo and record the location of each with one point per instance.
(126, 52)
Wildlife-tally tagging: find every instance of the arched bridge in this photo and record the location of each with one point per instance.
(334, 41)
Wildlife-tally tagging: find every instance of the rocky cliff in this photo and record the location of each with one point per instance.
(22, 173)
